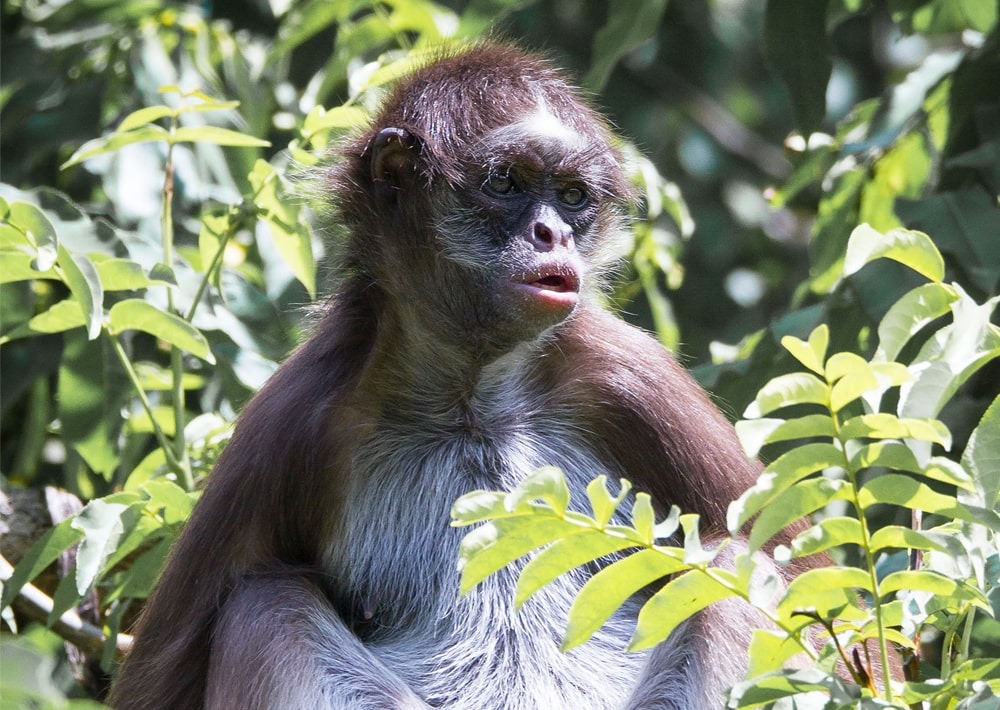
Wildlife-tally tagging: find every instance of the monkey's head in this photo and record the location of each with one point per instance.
(485, 198)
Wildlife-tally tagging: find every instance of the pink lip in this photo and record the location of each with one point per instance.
(557, 287)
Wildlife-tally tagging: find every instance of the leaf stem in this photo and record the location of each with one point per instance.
(133, 377)
(883, 645)
(176, 356)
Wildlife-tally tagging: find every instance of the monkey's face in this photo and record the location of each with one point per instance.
(515, 242)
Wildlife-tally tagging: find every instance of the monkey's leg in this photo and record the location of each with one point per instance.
(279, 644)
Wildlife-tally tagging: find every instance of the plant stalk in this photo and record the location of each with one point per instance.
(176, 356)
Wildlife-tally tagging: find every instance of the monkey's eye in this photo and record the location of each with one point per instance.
(573, 197)
(501, 184)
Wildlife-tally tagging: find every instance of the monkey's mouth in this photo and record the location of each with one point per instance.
(558, 288)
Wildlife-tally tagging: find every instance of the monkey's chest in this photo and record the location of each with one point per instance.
(396, 562)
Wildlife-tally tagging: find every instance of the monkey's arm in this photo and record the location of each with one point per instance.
(278, 644)
(267, 506)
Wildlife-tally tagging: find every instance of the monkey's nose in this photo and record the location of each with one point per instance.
(547, 237)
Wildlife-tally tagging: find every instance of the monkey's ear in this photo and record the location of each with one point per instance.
(393, 156)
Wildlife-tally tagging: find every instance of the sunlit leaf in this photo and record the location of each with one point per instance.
(32, 222)
(824, 589)
(602, 503)
(897, 536)
(610, 588)
(908, 247)
(61, 316)
(83, 280)
(217, 136)
(888, 426)
(826, 534)
(40, 555)
(546, 483)
(101, 523)
(910, 493)
(811, 353)
(756, 433)
(136, 314)
(850, 387)
(116, 141)
(787, 470)
(496, 544)
(909, 314)
(982, 458)
(786, 390)
(564, 555)
(121, 274)
(477, 506)
(797, 502)
(675, 603)
(643, 517)
(143, 116)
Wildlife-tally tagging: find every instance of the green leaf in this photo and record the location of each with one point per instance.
(84, 282)
(800, 500)
(44, 552)
(678, 601)
(902, 538)
(62, 316)
(889, 426)
(909, 314)
(217, 136)
(478, 506)
(496, 544)
(850, 387)
(320, 119)
(41, 235)
(795, 46)
(754, 434)
(89, 402)
(982, 459)
(115, 141)
(602, 503)
(786, 390)
(136, 314)
(928, 581)
(291, 235)
(910, 248)
(101, 524)
(121, 274)
(643, 518)
(812, 354)
(890, 454)
(20, 265)
(950, 357)
(629, 24)
(902, 490)
(143, 117)
(564, 555)
(144, 573)
(826, 534)
(824, 590)
(171, 502)
(787, 470)
(610, 588)
(770, 649)
(546, 483)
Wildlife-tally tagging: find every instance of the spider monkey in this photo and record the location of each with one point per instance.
(463, 346)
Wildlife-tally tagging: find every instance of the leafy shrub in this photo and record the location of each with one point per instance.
(850, 449)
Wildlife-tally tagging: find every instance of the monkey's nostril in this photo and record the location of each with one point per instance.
(543, 233)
